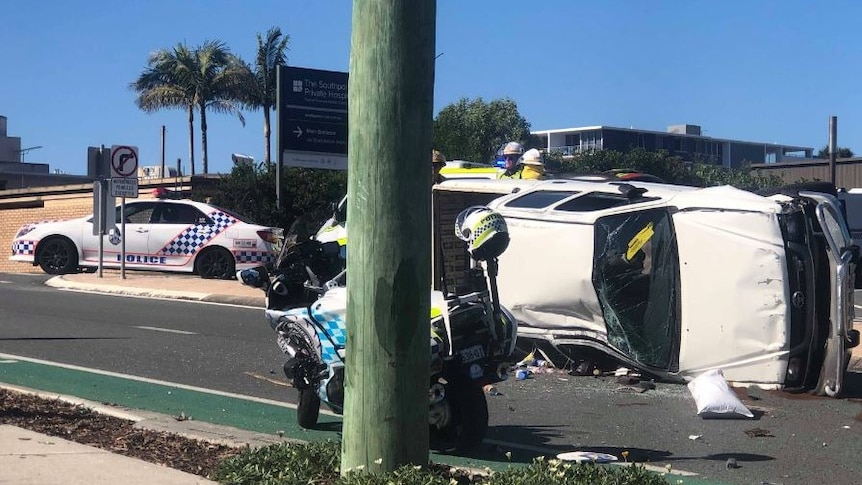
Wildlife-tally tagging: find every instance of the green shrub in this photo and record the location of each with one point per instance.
(283, 464)
(318, 463)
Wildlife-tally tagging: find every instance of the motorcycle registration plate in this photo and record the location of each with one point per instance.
(473, 353)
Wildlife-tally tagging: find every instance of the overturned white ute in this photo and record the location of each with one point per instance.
(674, 280)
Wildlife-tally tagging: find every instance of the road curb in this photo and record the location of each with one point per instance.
(64, 283)
(179, 425)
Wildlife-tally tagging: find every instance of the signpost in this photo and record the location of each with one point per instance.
(124, 183)
(312, 120)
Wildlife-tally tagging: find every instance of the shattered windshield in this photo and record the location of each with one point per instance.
(635, 274)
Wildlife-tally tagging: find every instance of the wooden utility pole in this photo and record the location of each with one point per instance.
(390, 106)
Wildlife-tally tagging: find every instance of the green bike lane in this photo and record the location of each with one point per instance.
(225, 409)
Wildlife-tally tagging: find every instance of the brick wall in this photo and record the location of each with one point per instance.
(456, 260)
(53, 209)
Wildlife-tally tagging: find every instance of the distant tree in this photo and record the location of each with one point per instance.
(250, 190)
(206, 77)
(261, 88)
(842, 152)
(474, 130)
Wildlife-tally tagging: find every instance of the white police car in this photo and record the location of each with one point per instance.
(163, 235)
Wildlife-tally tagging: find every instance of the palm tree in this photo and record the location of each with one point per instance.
(261, 91)
(159, 88)
(207, 77)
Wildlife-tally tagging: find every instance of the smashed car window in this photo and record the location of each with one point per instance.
(635, 274)
(540, 199)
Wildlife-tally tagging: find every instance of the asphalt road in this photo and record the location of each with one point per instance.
(809, 440)
(221, 347)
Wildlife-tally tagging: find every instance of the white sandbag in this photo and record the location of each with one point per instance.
(714, 398)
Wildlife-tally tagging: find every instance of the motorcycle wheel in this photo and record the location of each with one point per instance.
(308, 409)
(467, 421)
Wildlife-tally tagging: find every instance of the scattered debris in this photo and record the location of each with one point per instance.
(182, 417)
(759, 433)
(584, 368)
(648, 386)
(731, 463)
(492, 390)
(587, 456)
(622, 371)
(627, 380)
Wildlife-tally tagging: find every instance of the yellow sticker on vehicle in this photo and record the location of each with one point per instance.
(637, 242)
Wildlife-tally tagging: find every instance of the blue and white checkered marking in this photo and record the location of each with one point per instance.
(254, 257)
(194, 237)
(25, 248)
(332, 332)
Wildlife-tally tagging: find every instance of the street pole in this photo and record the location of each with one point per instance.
(278, 148)
(833, 147)
(163, 151)
(390, 109)
(103, 187)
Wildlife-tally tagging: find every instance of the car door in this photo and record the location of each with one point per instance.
(137, 216)
(179, 231)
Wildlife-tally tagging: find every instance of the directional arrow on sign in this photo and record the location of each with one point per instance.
(298, 132)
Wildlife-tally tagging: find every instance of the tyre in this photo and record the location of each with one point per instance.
(466, 417)
(216, 263)
(57, 255)
(308, 409)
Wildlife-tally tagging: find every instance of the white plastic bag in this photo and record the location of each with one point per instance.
(714, 398)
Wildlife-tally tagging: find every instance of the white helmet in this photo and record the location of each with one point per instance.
(532, 157)
(513, 148)
(484, 230)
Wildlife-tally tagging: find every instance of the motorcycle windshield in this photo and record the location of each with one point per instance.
(296, 234)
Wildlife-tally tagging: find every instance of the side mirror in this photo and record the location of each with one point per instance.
(254, 277)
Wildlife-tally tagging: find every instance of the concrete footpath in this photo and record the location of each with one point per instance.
(32, 458)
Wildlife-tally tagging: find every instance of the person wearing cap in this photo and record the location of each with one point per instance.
(438, 161)
(512, 152)
(532, 165)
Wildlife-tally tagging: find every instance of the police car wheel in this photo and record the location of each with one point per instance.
(57, 255)
(216, 263)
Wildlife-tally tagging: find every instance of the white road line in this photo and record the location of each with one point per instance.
(159, 382)
(169, 330)
(7, 282)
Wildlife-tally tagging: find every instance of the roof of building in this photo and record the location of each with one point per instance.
(637, 130)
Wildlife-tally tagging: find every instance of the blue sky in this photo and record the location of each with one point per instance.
(769, 70)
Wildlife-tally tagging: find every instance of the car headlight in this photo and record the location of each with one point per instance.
(24, 230)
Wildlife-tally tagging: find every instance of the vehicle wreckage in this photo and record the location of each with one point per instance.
(672, 280)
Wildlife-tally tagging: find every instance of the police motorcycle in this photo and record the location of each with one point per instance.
(472, 338)
(303, 265)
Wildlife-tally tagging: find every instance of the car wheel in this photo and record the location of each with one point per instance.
(57, 255)
(216, 263)
(308, 409)
(466, 419)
